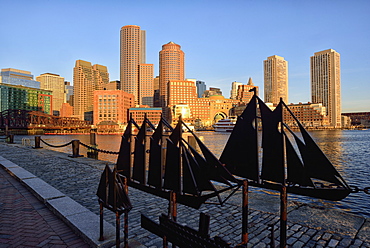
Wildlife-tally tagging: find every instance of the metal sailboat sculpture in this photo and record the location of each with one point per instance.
(287, 160)
(164, 162)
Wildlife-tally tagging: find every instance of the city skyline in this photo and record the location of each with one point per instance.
(223, 43)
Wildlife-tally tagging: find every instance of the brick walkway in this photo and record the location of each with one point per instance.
(26, 222)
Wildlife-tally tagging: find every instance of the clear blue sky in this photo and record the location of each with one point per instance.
(223, 41)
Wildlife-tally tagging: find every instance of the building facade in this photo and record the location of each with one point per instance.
(326, 85)
(146, 88)
(275, 79)
(18, 77)
(234, 89)
(25, 98)
(244, 93)
(55, 83)
(153, 114)
(134, 72)
(86, 79)
(203, 111)
(201, 87)
(171, 68)
(112, 106)
(311, 115)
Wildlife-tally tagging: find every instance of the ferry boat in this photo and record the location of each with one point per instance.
(225, 125)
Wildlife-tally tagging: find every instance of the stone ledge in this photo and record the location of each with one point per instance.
(42, 190)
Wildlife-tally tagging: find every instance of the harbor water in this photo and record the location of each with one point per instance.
(348, 150)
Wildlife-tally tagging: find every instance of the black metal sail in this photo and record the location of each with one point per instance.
(189, 184)
(139, 155)
(215, 169)
(296, 172)
(155, 157)
(240, 154)
(273, 168)
(316, 163)
(124, 156)
(172, 175)
(199, 167)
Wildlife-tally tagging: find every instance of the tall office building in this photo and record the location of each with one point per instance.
(86, 79)
(55, 83)
(234, 89)
(275, 79)
(201, 87)
(18, 77)
(132, 63)
(171, 68)
(146, 87)
(325, 83)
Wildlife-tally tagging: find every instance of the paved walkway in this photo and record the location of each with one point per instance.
(308, 226)
(27, 222)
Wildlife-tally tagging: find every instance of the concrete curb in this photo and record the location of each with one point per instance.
(84, 222)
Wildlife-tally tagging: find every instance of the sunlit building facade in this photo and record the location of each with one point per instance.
(146, 92)
(171, 68)
(245, 94)
(20, 97)
(86, 79)
(134, 72)
(18, 77)
(112, 106)
(153, 114)
(326, 85)
(203, 111)
(275, 79)
(234, 89)
(55, 83)
(310, 115)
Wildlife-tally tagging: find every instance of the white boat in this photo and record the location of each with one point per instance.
(225, 125)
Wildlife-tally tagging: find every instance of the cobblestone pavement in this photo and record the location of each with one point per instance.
(26, 222)
(79, 177)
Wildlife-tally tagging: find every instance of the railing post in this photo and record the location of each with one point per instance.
(75, 149)
(204, 224)
(37, 142)
(10, 138)
(91, 153)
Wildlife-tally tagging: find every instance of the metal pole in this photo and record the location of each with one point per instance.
(91, 153)
(101, 238)
(283, 216)
(245, 213)
(272, 242)
(75, 149)
(125, 216)
(37, 142)
(117, 229)
(204, 224)
(174, 206)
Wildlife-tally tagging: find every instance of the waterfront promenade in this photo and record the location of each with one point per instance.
(75, 181)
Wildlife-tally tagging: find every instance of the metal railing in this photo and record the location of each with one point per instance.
(92, 150)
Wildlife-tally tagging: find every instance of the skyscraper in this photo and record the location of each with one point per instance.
(86, 79)
(201, 87)
(171, 67)
(55, 83)
(132, 63)
(146, 87)
(325, 83)
(275, 79)
(234, 89)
